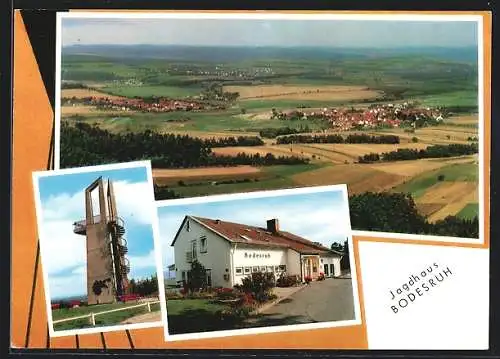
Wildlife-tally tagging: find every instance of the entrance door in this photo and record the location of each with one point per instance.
(332, 270)
(309, 268)
(326, 269)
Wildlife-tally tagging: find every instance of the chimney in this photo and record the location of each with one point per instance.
(273, 225)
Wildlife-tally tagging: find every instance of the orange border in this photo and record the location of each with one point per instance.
(32, 130)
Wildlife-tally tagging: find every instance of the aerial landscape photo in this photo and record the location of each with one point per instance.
(223, 105)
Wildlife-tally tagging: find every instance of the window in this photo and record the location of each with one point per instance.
(183, 275)
(239, 271)
(203, 244)
(315, 269)
(248, 270)
(270, 269)
(283, 268)
(193, 250)
(263, 269)
(255, 269)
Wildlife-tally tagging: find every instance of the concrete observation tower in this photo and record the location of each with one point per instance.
(107, 266)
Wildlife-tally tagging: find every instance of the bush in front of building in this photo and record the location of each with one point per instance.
(288, 281)
(321, 276)
(259, 285)
(227, 293)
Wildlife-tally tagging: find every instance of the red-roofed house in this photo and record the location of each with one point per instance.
(231, 251)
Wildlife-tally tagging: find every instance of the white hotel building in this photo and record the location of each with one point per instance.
(232, 251)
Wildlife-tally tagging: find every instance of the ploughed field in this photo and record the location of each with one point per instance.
(305, 92)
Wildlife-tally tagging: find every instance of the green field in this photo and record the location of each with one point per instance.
(466, 172)
(149, 91)
(275, 177)
(100, 320)
(215, 121)
(469, 211)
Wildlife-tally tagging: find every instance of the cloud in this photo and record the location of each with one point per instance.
(62, 250)
(142, 266)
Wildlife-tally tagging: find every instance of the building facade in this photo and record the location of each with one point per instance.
(231, 251)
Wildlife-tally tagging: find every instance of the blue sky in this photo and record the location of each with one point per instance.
(258, 32)
(320, 217)
(62, 202)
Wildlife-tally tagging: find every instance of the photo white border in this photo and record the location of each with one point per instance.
(156, 243)
(314, 16)
(281, 328)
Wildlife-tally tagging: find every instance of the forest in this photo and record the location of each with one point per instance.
(86, 145)
(435, 151)
(397, 212)
(354, 138)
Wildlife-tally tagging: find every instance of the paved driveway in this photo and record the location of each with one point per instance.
(324, 301)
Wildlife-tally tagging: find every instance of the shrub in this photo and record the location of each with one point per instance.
(173, 294)
(414, 139)
(441, 178)
(227, 293)
(259, 285)
(307, 279)
(288, 280)
(321, 276)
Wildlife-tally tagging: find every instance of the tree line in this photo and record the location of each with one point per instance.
(435, 151)
(239, 159)
(354, 138)
(275, 132)
(234, 141)
(85, 145)
(143, 287)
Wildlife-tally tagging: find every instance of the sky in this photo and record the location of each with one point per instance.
(319, 217)
(63, 202)
(259, 32)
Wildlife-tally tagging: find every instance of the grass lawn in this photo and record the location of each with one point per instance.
(467, 172)
(195, 315)
(469, 212)
(100, 320)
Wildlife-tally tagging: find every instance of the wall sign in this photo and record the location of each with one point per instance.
(257, 255)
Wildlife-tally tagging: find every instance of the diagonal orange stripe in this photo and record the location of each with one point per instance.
(33, 118)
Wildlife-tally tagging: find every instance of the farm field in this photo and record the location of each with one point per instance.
(82, 93)
(317, 93)
(310, 81)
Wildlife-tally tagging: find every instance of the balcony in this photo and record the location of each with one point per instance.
(80, 227)
(190, 257)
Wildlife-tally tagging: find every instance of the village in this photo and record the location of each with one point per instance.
(138, 104)
(385, 115)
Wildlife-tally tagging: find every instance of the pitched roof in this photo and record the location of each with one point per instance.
(251, 235)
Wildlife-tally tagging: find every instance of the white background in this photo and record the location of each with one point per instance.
(452, 315)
